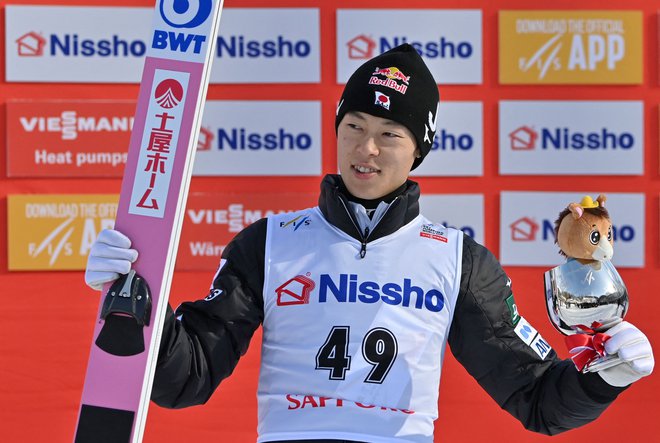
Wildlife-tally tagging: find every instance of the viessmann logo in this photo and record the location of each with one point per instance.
(69, 124)
(348, 288)
(526, 138)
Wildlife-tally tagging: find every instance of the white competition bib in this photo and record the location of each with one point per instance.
(352, 348)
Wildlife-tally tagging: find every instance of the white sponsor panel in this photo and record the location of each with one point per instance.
(108, 44)
(448, 40)
(458, 146)
(260, 138)
(527, 221)
(460, 211)
(571, 137)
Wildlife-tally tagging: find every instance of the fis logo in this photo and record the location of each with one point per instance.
(182, 14)
(525, 229)
(301, 220)
(563, 138)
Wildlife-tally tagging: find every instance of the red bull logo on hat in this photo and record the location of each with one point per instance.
(392, 77)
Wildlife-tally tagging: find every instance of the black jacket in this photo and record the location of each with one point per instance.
(547, 396)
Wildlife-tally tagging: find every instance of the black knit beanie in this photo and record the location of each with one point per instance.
(396, 85)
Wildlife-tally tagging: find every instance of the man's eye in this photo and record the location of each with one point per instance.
(391, 134)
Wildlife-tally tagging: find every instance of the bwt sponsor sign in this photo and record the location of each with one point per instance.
(563, 47)
(457, 149)
(527, 221)
(449, 41)
(571, 137)
(107, 44)
(460, 211)
(68, 138)
(213, 219)
(56, 232)
(260, 138)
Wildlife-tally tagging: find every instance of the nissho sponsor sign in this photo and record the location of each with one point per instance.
(460, 211)
(571, 137)
(448, 40)
(564, 47)
(260, 138)
(457, 149)
(108, 44)
(527, 222)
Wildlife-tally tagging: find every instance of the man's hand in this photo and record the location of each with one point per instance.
(109, 256)
(634, 349)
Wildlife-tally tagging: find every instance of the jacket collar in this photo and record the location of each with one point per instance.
(335, 208)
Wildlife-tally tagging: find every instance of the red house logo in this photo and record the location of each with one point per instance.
(205, 139)
(31, 45)
(295, 291)
(523, 139)
(361, 48)
(524, 229)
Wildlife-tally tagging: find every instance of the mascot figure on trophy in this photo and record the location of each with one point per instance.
(586, 296)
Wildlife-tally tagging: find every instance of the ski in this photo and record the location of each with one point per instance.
(154, 190)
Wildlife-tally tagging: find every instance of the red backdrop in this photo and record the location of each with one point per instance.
(47, 317)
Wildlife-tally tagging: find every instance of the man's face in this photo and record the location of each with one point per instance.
(374, 154)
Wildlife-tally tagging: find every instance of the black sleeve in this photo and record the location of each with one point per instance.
(203, 340)
(546, 395)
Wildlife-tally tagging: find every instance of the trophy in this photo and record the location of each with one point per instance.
(586, 296)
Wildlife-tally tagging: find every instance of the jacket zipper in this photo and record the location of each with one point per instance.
(365, 236)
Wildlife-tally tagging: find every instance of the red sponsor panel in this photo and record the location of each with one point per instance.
(213, 219)
(68, 138)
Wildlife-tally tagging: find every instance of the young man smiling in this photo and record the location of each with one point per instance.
(357, 305)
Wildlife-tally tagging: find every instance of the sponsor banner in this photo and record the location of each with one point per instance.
(260, 138)
(108, 44)
(458, 146)
(213, 219)
(448, 40)
(571, 47)
(68, 138)
(460, 211)
(55, 232)
(527, 223)
(571, 137)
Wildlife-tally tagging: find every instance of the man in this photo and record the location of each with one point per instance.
(357, 303)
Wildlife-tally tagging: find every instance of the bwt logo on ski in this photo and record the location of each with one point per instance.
(363, 47)
(526, 229)
(526, 138)
(242, 139)
(182, 14)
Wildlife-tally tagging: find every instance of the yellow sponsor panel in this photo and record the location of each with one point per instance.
(570, 47)
(55, 232)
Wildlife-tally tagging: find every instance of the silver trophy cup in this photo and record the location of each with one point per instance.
(591, 296)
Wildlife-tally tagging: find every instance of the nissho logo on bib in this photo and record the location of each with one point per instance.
(350, 290)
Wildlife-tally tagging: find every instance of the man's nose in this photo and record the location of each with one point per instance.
(369, 146)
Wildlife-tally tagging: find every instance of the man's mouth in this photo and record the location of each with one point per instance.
(365, 169)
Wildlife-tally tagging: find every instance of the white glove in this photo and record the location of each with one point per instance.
(634, 349)
(109, 256)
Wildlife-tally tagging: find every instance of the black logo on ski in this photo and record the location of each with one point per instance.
(126, 310)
